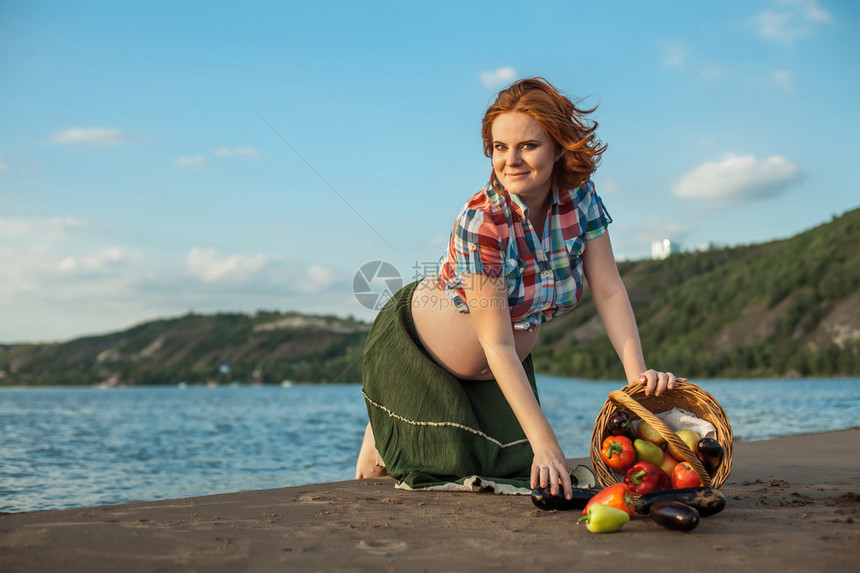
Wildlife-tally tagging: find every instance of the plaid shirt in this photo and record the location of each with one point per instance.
(494, 237)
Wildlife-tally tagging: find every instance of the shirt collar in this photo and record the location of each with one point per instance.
(517, 203)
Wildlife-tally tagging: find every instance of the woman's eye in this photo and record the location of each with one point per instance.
(500, 147)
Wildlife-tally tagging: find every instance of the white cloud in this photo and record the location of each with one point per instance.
(41, 229)
(608, 186)
(30, 251)
(99, 260)
(784, 79)
(237, 152)
(810, 9)
(796, 19)
(69, 265)
(498, 78)
(88, 135)
(46, 261)
(59, 279)
(680, 56)
(739, 178)
(18, 266)
(192, 161)
(712, 72)
(28, 167)
(676, 55)
(209, 265)
(3, 166)
(201, 160)
(321, 277)
(777, 26)
(50, 291)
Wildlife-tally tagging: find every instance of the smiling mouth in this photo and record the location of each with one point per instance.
(516, 174)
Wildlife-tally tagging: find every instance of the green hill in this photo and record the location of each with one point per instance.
(783, 308)
(264, 347)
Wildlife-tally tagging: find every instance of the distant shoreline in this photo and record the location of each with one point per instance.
(277, 385)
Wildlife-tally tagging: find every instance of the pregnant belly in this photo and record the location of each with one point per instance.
(450, 338)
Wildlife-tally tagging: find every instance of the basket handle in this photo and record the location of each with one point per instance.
(664, 430)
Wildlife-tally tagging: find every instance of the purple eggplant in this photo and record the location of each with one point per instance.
(619, 425)
(710, 453)
(674, 515)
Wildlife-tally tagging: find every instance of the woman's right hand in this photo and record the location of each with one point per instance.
(488, 306)
(549, 468)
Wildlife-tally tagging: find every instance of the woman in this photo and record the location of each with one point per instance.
(447, 373)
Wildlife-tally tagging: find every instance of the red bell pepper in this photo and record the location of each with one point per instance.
(644, 477)
(618, 453)
(617, 496)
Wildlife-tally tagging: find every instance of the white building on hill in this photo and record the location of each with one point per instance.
(664, 248)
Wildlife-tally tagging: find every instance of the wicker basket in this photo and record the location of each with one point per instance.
(686, 395)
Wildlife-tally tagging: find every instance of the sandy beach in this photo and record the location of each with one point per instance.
(793, 505)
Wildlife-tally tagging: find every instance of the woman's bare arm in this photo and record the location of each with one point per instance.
(488, 307)
(613, 306)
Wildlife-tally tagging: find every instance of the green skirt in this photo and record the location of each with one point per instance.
(432, 430)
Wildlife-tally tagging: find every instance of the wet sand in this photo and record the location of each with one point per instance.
(793, 505)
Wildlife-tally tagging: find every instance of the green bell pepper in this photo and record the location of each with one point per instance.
(604, 519)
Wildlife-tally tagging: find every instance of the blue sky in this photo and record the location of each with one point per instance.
(158, 158)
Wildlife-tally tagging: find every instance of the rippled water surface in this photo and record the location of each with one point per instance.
(80, 447)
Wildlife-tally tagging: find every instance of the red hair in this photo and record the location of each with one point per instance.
(560, 118)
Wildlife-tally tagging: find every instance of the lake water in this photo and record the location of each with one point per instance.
(79, 447)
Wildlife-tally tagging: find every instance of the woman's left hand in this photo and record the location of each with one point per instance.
(656, 382)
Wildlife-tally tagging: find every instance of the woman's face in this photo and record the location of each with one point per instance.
(523, 155)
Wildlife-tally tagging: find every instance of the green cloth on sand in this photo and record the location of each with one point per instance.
(432, 430)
